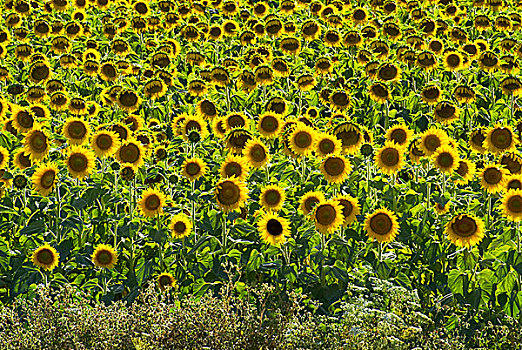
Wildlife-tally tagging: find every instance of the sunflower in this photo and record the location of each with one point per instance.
(488, 61)
(514, 182)
(104, 256)
(465, 230)
(273, 228)
(234, 166)
(151, 203)
(236, 120)
(432, 139)
(23, 118)
(501, 139)
(453, 61)
(350, 136)
(445, 112)
(76, 130)
(379, 92)
(511, 86)
(426, 60)
(340, 100)
(290, 46)
(382, 225)
(269, 125)
(512, 162)
(512, 205)
(165, 280)
(131, 152)
(80, 161)
(4, 157)
(466, 170)
(272, 197)
(302, 139)
(46, 257)
(154, 89)
(309, 200)
(194, 123)
(400, 134)
(328, 216)
(230, 194)
(446, 159)
(194, 168)
(207, 109)
(310, 30)
(388, 72)
(256, 153)
(431, 94)
(476, 140)
(21, 160)
(180, 226)
(350, 208)
(36, 143)
(464, 94)
(390, 158)
(306, 82)
(128, 100)
(105, 143)
(327, 144)
(493, 178)
(335, 168)
(323, 66)
(237, 139)
(44, 178)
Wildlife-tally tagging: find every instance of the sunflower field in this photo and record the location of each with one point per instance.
(305, 144)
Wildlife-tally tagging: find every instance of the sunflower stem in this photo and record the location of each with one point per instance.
(489, 212)
(379, 247)
(228, 98)
(387, 116)
(512, 106)
(303, 169)
(224, 233)
(58, 201)
(518, 237)
(193, 209)
(394, 193)
(323, 248)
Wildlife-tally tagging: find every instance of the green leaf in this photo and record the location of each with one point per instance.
(456, 281)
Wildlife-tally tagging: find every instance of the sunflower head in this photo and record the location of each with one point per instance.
(390, 158)
(76, 130)
(46, 257)
(328, 216)
(105, 143)
(272, 197)
(350, 208)
(335, 168)
(465, 230)
(180, 226)
(104, 256)
(382, 225)
(256, 153)
(310, 200)
(80, 161)
(273, 228)
(152, 202)
(165, 280)
(501, 139)
(230, 194)
(493, 178)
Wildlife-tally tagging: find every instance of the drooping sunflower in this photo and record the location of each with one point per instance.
(80, 161)
(335, 168)
(381, 225)
(493, 178)
(105, 143)
(514, 182)
(400, 134)
(193, 123)
(104, 256)
(273, 229)
(432, 139)
(230, 194)
(340, 100)
(465, 230)
(207, 109)
(328, 216)
(165, 280)
(441, 208)
(501, 139)
(154, 89)
(466, 170)
(152, 202)
(45, 257)
(76, 130)
(431, 94)
(350, 208)
(272, 197)
(379, 92)
(21, 160)
(464, 94)
(131, 152)
(310, 30)
(350, 136)
(236, 166)
(302, 139)
(180, 226)
(446, 159)
(476, 140)
(512, 162)
(128, 100)
(512, 205)
(511, 86)
(445, 112)
(44, 178)
(194, 168)
(256, 153)
(36, 143)
(309, 200)
(389, 72)
(390, 158)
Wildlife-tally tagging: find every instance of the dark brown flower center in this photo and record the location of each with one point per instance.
(152, 202)
(325, 214)
(390, 157)
(274, 227)
(334, 166)
(492, 176)
(104, 142)
(464, 226)
(229, 193)
(78, 162)
(501, 138)
(45, 256)
(381, 224)
(129, 153)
